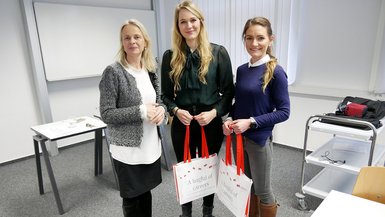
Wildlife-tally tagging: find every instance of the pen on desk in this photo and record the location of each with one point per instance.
(89, 125)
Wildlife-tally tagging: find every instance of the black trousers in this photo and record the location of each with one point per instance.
(214, 138)
(139, 206)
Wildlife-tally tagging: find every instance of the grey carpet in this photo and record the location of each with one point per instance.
(83, 194)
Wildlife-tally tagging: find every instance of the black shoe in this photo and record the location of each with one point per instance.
(129, 210)
(207, 211)
(186, 210)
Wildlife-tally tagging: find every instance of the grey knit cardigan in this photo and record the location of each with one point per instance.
(119, 105)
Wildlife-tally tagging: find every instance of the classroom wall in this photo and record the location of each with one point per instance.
(338, 56)
(20, 111)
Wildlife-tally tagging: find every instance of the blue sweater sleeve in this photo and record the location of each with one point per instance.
(279, 97)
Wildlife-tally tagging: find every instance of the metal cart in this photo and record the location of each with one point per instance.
(341, 157)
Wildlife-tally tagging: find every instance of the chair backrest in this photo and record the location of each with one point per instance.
(370, 184)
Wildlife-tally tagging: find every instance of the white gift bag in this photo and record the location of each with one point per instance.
(234, 186)
(195, 178)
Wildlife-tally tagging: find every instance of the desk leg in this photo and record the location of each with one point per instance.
(111, 159)
(38, 164)
(98, 152)
(51, 177)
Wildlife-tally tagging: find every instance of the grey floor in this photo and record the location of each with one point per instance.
(83, 194)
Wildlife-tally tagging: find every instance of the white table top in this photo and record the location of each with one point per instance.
(340, 204)
(68, 127)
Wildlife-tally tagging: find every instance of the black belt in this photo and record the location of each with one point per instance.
(196, 109)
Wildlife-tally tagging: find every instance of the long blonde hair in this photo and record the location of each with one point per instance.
(148, 60)
(270, 66)
(178, 59)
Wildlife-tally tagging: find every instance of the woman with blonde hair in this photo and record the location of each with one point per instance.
(130, 105)
(261, 101)
(197, 87)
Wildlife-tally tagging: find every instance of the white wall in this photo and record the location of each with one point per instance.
(71, 98)
(336, 56)
(337, 51)
(291, 132)
(19, 109)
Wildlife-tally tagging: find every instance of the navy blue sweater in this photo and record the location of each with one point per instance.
(267, 108)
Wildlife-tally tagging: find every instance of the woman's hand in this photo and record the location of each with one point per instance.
(205, 118)
(241, 125)
(184, 116)
(226, 127)
(155, 113)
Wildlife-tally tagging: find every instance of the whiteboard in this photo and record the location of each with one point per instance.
(80, 41)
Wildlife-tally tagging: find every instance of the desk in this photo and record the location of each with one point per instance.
(165, 145)
(341, 204)
(60, 130)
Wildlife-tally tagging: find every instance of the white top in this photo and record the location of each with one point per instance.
(338, 204)
(150, 148)
(262, 61)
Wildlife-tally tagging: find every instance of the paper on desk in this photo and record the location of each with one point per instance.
(68, 127)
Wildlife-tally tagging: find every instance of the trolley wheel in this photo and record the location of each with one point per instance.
(302, 205)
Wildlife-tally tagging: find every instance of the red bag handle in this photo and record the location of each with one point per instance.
(205, 149)
(240, 155)
(186, 153)
(228, 150)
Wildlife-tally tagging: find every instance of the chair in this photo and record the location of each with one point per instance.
(370, 184)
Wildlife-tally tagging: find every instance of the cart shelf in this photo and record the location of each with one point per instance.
(329, 179)
(341, 157)
(343, 130)
(353, 152)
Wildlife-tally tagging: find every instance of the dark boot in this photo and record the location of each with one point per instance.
(268, 210)
(207, 211)
(186, 210)
(254, 205)
(129, 210)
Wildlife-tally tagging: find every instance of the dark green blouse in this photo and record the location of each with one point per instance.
(218, 92)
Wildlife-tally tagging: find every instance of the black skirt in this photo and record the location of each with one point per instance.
(135, 180)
